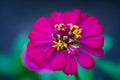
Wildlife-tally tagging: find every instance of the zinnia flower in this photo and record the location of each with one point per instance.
(63, 41)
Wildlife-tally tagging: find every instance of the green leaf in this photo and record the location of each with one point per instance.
(5, 65)
(19, 43)
(112, 68)
(12, 65)
(108, 43)
(59, 75)
(9, 66)
(44, 76)
(28, 76)
(85, 74)
(18, 48)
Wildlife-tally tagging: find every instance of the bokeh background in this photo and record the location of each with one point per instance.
(17, 18)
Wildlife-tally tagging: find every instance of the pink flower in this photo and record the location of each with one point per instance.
(63, 41)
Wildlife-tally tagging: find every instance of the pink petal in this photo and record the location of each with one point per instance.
(39, 60)
(86, 23)
(41, 42)
(33, 52)
(71, 65)
(83, 16)
(32, 55)
(93, 42)
(90, 27)
(39, 57)
(93, 30)
(92, 51)
(57, 17)
(31, 66)
(71, 17)
(59, 61)
(37, 35)
(51, 21)
(49, 53)
(85, 60)
(43, 25)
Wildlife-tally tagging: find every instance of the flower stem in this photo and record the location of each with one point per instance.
(77, 76)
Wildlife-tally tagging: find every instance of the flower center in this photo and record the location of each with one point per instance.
(66, 36)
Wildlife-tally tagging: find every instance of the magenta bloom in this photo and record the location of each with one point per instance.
(63, 41)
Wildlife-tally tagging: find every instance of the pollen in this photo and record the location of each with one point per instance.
(58, 25)
(65, 36)
(77, 32)
(59, 45)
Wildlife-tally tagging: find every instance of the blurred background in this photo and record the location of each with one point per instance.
(17, 18)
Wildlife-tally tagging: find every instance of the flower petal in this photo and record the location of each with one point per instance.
(57, 17)
(71, 65)
(93, 42)
(58, 62)
(39, 59)
(71, 17)
(86, 23)
(33, 52)
(93, 30)
(90, 27)
(83, 16)
(41, 42)
(33, 35)
(31, 65)
(43, 25)
(49, 53)
(92, 51)
(85, 60)
(51, 21)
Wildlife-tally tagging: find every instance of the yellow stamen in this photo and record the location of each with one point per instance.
(77, 32)
(65, 45)
(54, 42)
(74, 32)
(61, 24)
(71, 26)
(59, 45)
(75, 26)
(58, 25)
